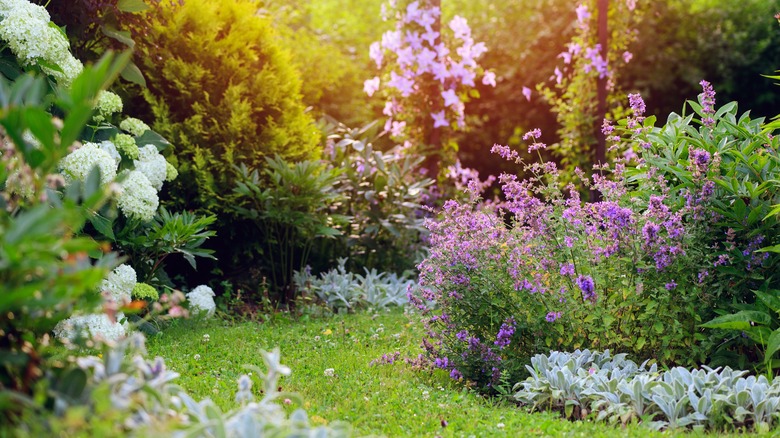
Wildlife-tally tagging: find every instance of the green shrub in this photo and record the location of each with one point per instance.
(291, 211)
(224, 93)
(48, 269)
(744, 232)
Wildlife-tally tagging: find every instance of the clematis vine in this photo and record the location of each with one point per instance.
(426, 75)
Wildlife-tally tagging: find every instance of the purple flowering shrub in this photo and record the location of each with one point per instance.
(544, 270)
(735, 160)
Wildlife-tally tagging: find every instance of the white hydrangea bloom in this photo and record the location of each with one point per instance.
(77, 165)
(137, 198)
(134, 126)
(96, 326)
(25, 28)
(152, 164)
(120, 283)
(202, 300)
(111, 149)
(107, 103)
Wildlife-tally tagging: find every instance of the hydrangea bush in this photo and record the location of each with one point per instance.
(36, 42)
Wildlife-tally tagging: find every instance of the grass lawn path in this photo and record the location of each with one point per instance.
(387, 399)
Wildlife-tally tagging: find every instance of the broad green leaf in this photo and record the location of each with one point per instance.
(133, 74)
(122, 36)
(103, 225)
(739, 321)
(132, 6)
(772, 345)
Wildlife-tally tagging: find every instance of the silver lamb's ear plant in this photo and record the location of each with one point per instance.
(340, 289)
(617, 390)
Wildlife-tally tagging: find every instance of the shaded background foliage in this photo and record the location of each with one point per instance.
(318, 52)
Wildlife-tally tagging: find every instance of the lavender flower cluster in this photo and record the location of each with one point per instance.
(550, 260)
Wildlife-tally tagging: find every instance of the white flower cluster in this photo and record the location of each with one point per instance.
(97, 326)
(137, 198)
(134, 126)
(107, 103)
(202, 300)
(111, 149)
(120, 283)
(77, 165)
(152, 164)
(27, 30)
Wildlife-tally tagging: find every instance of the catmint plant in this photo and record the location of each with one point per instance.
(542, 269)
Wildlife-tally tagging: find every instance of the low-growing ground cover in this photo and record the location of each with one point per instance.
(380, 399)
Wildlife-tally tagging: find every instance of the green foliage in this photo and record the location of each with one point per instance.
(47, 268)
(327, 42)
(122, 391)
(729, 44)
(223, 92)
(97, 26)
(384, 194)
(148, 245)
(292, 210)
(744, 174)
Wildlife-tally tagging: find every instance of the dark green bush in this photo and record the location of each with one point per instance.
(224, 93)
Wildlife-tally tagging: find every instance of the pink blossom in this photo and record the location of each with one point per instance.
(375, 53)
(558, 76)
(390, 108)
(439, 119)
(430, 36)
(401, 83)
(527, 93)
(460, 27)
(627, 56)
(442, 50)
(428, 17)
(425, 60)
(450, 98)
(566, 57)
(414, 40)
(413, 12)
(391, 40)
(440, 72)
(397, 129)
(489, 78)
(371, 85)
(405, 56)
(582, 14)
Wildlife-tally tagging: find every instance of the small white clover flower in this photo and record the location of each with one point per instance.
(134, 126)
(77, 165)
(107, 103)
(152, 164)
(202, 300)
(138, 198)
(329, 372)
(120, 283)
(96, 326)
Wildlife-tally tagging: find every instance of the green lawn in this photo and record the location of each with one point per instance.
(391, 400)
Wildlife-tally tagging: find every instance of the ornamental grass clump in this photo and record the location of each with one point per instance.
(544, 270)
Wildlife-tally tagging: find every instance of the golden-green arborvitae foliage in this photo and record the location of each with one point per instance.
(223, 92)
